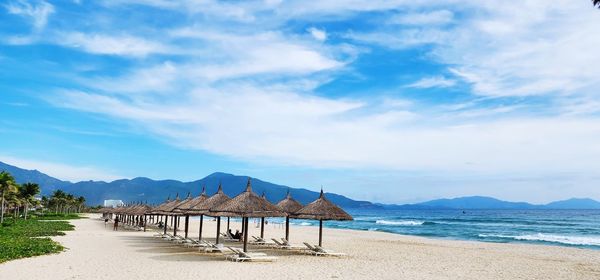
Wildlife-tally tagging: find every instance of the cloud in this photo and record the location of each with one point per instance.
(37, 13)
(432, 82)
(62, 171)
(439, 17)
(125, 45)
(318, 34)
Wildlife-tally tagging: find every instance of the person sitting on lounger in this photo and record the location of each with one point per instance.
(237, 235)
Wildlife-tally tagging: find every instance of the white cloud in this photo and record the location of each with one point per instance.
(126, 45)
(439, 17)
(318, 34)
(432, 82)
(62, 171)
(38, 13)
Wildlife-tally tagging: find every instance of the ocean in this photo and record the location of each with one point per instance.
(573, 228)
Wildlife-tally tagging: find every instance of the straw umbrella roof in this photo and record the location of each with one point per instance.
(289, 205)
(248, 204)
(323, 209)
(187, 205)
(171, 207)
(162, 205)
(142, 209)
(208, 204)
(166, 207)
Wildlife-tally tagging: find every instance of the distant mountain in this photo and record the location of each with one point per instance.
(156, 191)
(482, 202)
(574, 203)
(153, 191)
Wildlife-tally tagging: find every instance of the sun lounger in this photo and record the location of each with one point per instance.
(289, 246)
(319, 251)
(241, 256)
(212, 248)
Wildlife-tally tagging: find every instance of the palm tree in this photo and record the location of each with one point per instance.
(80, 203)
(26, 192)
(596, 3)
(7, 187)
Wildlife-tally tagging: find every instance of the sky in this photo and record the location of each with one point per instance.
(390, 101)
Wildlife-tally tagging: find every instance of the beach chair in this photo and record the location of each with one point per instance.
(279, 244)
(167, 236)
(241, 256)
(212, 248)
(289, 246)
(319, 251)
(228, 238)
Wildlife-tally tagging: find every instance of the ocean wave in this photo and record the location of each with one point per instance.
(562, 239)
(373, 229)
(302, 224)
(400, 223)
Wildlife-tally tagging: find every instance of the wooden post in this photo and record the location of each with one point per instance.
(320, 233)
(200, 232)
(145, 221)
(245, 221)
(227, 224)
(187, 223)
(176, 222)
(165, 224)
(262, 227)
(287, 228)
(218, 229)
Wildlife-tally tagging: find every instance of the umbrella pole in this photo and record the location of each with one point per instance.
(144, 223)
(287, 228)
(245, 235)
(165, 225)
(176, 223)
(320, 232)
(262, 227)
(218, 229)
(243, 229)
(187, 223)
(200, 231)
(227, 224)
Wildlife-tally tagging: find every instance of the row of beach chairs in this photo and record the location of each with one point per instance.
(236, 254)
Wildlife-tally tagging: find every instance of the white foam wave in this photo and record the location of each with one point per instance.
(400, 223)
(563, 239)
(373, 229)
(302, 224)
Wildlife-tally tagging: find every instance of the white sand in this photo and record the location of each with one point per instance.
(98, 253)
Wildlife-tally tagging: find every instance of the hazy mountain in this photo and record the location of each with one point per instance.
(156, 191)
(482, 202)
(574, 203)
(153, 191)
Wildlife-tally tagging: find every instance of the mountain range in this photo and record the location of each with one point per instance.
(156, 191)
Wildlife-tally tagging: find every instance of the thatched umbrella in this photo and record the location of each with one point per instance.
(157, 209)
(175, 215)
(248, 205)
(323, 209)
(165, 210)
(204, 208)
(289, 206)
(186, 206)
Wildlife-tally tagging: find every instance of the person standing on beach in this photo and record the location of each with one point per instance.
(116, 226)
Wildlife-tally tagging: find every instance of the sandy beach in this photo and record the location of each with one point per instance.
(96, 252)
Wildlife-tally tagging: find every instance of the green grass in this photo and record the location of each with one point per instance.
(56, 216)
(27, 238)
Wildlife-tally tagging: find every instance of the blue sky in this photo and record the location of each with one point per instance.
(390, 101)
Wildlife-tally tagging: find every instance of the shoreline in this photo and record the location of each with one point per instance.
(96, 252)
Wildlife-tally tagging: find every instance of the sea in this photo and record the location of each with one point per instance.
(572, 228)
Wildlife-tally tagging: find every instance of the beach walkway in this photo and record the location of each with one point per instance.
(96, 252)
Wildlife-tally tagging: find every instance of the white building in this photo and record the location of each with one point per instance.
(113, 203)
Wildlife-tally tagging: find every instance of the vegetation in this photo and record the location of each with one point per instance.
(26, 234)
(596, 3)
(21, 198)
(26, 238)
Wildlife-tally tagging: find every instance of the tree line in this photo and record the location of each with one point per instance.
(20, 198)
